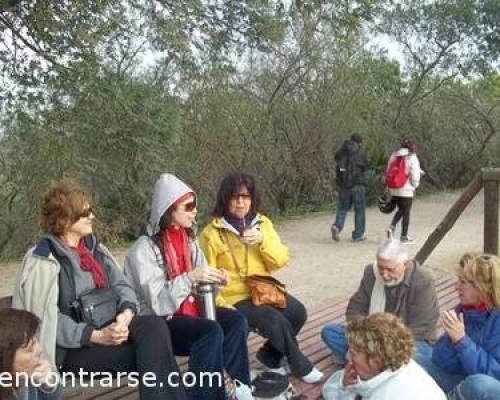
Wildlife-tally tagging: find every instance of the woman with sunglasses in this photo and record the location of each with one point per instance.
(243, 242)
(20, 356)
(165, 266)
(465, 361)
(59, 272)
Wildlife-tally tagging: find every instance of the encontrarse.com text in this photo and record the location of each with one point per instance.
(107, 379)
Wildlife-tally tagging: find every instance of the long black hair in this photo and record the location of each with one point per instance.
(229, 186)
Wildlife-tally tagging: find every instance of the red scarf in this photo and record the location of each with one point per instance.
(175, 246)
(88, 263)
(481, 307)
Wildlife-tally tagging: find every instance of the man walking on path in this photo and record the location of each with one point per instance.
(351, 164)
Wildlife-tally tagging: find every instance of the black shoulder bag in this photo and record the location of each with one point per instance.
(97, 306)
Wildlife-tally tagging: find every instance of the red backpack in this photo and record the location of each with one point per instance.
(395, 175)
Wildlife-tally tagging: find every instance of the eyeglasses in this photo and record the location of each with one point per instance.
(86, 213)
(189, 207)
(243, 196)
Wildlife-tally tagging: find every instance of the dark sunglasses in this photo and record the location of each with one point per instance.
(189, 207)
(86, 213)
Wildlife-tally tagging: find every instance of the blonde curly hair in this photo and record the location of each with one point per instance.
(483, 272)
(382, 336)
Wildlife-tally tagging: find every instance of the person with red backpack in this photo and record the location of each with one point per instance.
(402, 178)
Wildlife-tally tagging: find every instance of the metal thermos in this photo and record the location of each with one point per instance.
(206, 292)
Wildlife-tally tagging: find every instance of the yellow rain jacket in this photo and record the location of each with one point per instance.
(260, 259)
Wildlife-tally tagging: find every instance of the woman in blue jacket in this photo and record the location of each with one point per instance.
(465, 361)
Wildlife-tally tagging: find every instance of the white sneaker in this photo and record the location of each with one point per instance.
(407, 240)
(314, 376)
(242, 391)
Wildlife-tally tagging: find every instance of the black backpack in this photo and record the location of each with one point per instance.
(345, 171)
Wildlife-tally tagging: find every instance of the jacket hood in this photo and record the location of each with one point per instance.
(402, 152)
(351, 147)
(168, 189)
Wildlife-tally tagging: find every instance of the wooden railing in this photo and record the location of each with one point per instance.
(488, 179)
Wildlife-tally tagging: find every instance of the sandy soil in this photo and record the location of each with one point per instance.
(322, 270)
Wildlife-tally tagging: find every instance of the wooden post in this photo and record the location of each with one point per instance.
(449, 220)
(491, 216)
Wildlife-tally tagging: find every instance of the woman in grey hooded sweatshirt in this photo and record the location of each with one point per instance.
(165, 265)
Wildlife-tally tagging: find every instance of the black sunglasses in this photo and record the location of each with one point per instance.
(86, 213)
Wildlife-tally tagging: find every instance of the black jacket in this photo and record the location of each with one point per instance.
(350, 149)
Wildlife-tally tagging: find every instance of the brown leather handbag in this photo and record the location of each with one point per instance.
(266, 290)
(263, 289)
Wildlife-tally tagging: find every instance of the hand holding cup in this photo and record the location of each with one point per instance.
(208, 275)
(251, 236)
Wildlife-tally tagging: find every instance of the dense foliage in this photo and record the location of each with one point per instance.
(115, 92)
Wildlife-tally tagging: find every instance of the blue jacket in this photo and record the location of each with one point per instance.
(478, 352)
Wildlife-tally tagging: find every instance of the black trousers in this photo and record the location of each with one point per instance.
(149, 349)
(404, 208)
(280, 328)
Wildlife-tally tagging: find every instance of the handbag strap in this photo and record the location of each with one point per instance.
(225, 239)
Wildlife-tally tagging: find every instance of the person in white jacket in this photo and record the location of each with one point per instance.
(379, 364)
(403, 196)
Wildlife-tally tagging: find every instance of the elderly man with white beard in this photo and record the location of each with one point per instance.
(395, 284)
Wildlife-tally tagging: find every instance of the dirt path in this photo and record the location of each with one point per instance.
(322, 270)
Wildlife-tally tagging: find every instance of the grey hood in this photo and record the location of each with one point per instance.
(168, 189)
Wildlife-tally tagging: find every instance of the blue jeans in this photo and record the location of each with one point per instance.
(355, 197)
(334, 337)
(461, 387)
(211, 347)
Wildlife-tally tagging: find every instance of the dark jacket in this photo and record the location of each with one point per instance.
(414, 300)
(350, 150)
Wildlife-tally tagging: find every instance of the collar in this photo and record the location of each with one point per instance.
(481, 307)
(411, 266)
(366, 388)
(221, 223)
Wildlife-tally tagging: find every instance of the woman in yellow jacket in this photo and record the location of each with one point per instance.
(243, 242)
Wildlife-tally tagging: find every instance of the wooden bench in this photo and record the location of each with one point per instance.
(309, 339)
